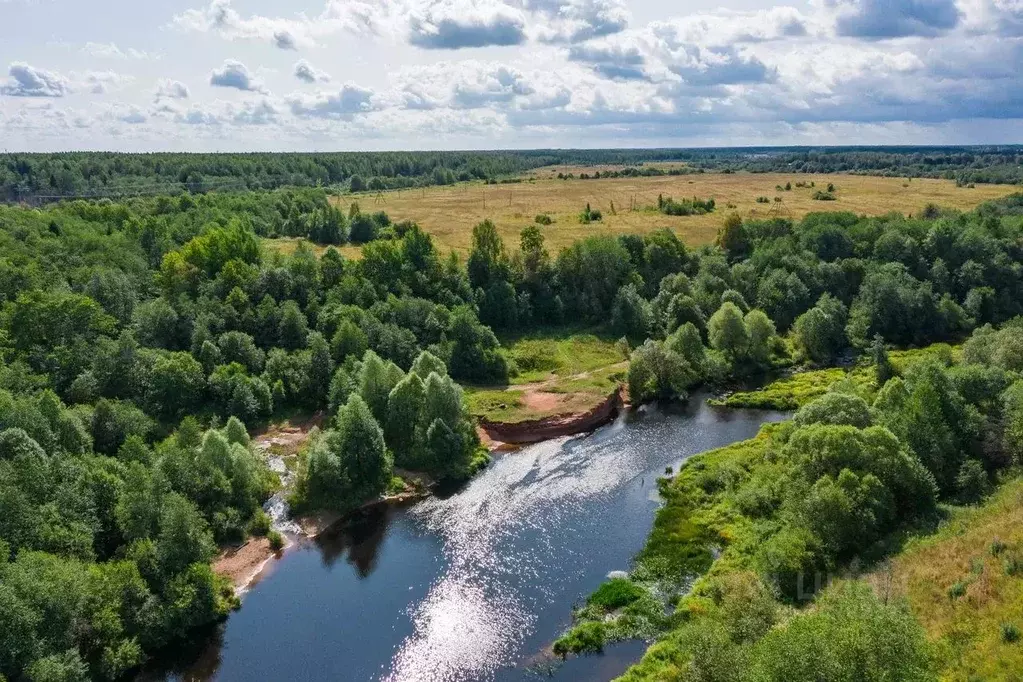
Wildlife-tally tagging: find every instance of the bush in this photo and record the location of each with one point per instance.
(260, 524)
(586, 637)
(1010, 633)
(543, 219)
(823, 196)
(972, 482)
(616, 593)
(276, 540)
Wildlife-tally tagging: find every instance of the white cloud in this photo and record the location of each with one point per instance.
(457, 24)
(306, 72)
(27, 81)
(343, 104)
(293, 33)
(573, 21)
(103, 82)
(234, 74)
(167, 88)
(112, 51)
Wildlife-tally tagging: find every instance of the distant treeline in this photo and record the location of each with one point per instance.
(45, 177)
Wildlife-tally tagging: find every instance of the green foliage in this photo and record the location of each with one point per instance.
(586, 638)
(615, 593)
(820, 331)
(684, 207)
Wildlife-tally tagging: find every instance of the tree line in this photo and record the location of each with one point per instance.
(47, 177)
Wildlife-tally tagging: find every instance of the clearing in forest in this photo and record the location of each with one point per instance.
(558, 374)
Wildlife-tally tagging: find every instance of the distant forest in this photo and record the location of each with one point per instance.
(48, 177)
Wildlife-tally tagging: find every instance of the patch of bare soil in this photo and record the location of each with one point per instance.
(244, 564)
(541, 401)
(546, 428)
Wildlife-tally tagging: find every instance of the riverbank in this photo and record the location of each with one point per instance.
(280, 445)
(477, 583)
(498, 433)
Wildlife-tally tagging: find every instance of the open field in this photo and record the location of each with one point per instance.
(449, 213)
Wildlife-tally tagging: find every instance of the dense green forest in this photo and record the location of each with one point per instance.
(47, 177)
(141, 341)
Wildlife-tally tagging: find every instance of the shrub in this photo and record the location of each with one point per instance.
(276, 540)
(684, 207)
(1010, 633)
(260, 524)
(616, 593)
(823, 196)
(543, 219)
(586, 637)
(972, 481)
(957, 590)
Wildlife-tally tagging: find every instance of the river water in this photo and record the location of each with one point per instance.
(474, 585)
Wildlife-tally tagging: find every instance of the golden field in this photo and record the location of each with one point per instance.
(449, 213)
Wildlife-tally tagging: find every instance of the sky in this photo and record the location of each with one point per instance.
(332, 75)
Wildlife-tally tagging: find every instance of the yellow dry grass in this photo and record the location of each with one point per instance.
(449, 213)
(966, 629)
(288, 245)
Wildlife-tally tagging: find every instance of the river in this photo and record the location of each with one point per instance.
(474, 585)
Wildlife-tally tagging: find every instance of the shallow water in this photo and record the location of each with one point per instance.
(475, 585)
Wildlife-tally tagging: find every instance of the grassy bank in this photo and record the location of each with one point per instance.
(965, 585)
(558, 372)
(699, 533)
(792, 392)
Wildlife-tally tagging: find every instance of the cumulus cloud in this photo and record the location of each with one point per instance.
(28, 81)
(879, 19)
(614, 61)
(234, 74)
(167, 88)
(457, 24)
(343, 104)
(263, 112)
(573, 21)
(133, 116)
(717, 66)
(285, 40)
(306, 72)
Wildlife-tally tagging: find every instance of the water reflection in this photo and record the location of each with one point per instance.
(358, 540)
(474, 585)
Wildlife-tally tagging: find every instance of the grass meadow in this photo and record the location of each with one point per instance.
(449, 213)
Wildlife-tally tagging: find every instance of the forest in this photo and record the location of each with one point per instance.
(143, 341)
(50, 177)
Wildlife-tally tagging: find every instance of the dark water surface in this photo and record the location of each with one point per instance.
(474, 586)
